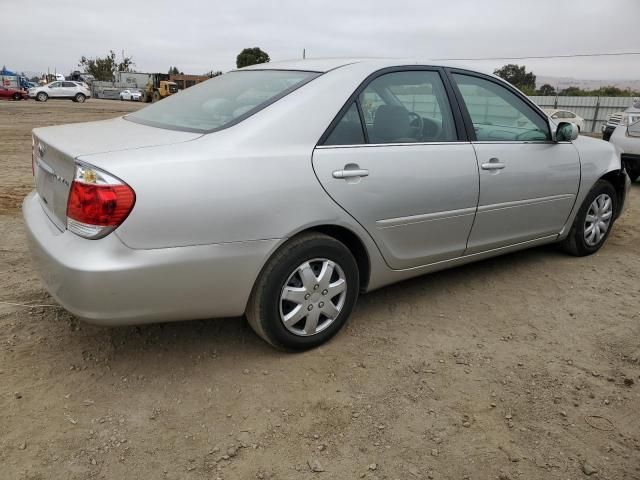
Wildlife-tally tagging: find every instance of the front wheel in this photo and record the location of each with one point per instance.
(305, 293)
(42, 97)
(593, 222)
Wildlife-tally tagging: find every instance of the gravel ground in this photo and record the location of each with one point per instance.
(521, 367)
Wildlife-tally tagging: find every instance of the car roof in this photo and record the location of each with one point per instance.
(326, 64)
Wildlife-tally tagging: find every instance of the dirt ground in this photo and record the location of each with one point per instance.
(521, 367)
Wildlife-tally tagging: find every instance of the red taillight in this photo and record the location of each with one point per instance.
(100, 205)
(98, 202)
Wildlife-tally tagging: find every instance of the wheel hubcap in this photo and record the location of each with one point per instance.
(598, 219)
(313, 297)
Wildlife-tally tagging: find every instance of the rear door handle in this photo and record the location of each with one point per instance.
(493, 164)
(360, 172)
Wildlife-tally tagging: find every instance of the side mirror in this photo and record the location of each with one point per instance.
(566, 132)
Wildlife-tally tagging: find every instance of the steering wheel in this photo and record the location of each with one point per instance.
(416, 124)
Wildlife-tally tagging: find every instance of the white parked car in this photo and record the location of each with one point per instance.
(626, 140)
(566, 116)
(75, 91)
(132, 95)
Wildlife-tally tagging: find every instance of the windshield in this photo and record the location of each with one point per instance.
(221, 101)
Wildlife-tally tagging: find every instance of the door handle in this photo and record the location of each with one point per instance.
(358, 172)
(493, 164)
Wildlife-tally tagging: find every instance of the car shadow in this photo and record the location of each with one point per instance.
(216, 338)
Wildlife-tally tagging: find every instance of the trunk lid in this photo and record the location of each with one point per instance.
(56, 148)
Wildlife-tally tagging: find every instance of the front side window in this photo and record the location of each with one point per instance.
(54, 85)
(222, 100)
(498, 114)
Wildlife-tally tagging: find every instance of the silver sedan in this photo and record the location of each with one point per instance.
(283, 191)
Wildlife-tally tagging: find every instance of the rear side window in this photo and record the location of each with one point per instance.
(221, 101)
(498, 114)
(349, 130)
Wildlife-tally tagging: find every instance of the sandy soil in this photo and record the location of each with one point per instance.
(522, 367)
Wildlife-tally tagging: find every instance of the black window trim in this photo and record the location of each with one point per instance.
(461, 133)
(467, 117)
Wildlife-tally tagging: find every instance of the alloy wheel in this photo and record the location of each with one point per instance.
(312, 297)
(598, 219)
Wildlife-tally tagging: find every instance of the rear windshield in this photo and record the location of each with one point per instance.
(221, 101)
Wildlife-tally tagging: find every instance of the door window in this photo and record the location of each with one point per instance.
(54, 85)
(498, 114)
(407, 107)
(398, 107)
(69, 85)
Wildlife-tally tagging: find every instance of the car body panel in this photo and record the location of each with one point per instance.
(107, 283)
(531, 197)
(418, 201)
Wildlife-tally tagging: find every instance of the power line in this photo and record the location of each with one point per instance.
(574, 55)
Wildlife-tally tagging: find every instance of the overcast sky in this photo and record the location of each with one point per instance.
(199, 35)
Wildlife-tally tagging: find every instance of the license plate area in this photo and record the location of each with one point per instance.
(53, 190)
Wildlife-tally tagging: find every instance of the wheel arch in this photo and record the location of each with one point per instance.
(344, 235)
(618, 180)
(355, 245)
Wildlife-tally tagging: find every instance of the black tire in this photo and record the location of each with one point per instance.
(575, 243)
(17, 97)
(42, 97)
(80, 98)
(156, 97)
(263, 310)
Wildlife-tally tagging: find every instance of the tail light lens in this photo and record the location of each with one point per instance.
(98, 202)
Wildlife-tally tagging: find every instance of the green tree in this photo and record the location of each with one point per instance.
(546, 90)
(251, 56)
(213, 73)
(518, 76)
(573, 92)
(175, 71)
(103, 69)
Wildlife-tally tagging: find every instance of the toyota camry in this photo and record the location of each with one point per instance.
(282, 191)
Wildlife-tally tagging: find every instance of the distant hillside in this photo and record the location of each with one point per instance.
(560, 83)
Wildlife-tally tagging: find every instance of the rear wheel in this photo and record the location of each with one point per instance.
(156, 96)
(17, 97)
(593, 222)
(42, 97)
(305, 293)
(80, 98)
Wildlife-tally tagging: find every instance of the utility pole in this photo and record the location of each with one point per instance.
(304, 53)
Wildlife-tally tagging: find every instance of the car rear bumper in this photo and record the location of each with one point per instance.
(105, 282)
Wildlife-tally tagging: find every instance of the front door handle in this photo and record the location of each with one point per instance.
(493, 164)
(351, 173)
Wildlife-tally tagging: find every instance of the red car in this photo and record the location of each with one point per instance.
(7, 93)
